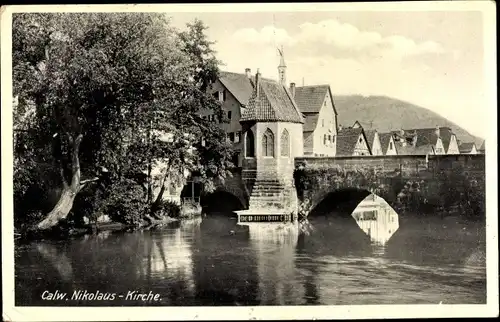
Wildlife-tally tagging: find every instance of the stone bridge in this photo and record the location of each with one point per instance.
(418, 183)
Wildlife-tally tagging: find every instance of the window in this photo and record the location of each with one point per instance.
(268, 143)
(323, 123)
(249, 144)
(231, 136)
(324, 139)
(237, 138)
(333, 138)
(285, 144)
(222, 96)
(390, 146)
(360, 140)
(229, 115)
(329, 138)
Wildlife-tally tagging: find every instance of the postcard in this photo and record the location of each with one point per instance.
(249, 161)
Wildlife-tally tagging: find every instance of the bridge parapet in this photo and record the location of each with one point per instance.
(405, 182)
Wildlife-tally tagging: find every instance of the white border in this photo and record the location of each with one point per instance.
(12, 313)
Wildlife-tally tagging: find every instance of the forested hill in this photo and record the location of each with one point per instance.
(385, 114)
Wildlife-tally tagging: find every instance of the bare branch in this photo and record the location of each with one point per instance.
(89, 180)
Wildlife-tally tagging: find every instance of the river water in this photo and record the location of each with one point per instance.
(371, 256)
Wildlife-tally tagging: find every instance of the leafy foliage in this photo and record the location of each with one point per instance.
(130, 85)
(125, 202)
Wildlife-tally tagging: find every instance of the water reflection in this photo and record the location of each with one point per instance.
(274, 245)
(331, 259)
(224, 263)
(377, 219)
(170, 255)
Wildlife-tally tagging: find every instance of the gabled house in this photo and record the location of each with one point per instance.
(468, 148)
(387, 144)
(439, 140)
(365, 125)
(233, 91)
(450, 142)
(373, 140)
(352, 142)
(320, 128)
(482, 148)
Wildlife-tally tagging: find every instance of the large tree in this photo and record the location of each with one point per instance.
(104, 88)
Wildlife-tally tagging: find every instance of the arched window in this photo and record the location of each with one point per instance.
(285, 144)
(268, 144)
(249, 144)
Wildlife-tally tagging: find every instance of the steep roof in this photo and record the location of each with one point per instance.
(445, 133)
(466, 147)
(384, 141)
(411, 150)
(310, 99)
(482, 148)
(364, 125)
(370, 136)
(346, 140)
(238, 84)
(310, 122)
(428, 136)
(274, 104)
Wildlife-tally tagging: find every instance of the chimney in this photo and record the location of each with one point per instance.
(438, 132)
(340, 127)
(402, 137)
(257, 79)
(248, 72)
(292, 89)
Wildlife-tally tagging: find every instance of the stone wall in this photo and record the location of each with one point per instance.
(418, 184)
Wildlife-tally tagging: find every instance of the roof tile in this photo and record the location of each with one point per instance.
(274, 103)
(310, 99)
(466, 147)
(346, 141)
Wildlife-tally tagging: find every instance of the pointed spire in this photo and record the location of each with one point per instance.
(282, 57)
(282, 68)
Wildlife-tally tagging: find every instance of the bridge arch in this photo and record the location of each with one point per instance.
(222, 200)
(342, 201)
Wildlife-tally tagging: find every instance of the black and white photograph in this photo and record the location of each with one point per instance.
(249, 160)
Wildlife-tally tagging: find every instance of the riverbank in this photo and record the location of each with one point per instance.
(69, 231)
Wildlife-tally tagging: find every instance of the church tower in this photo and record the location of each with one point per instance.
(272, 128)
(282, 68)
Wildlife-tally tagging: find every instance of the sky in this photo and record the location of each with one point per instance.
(434, 59)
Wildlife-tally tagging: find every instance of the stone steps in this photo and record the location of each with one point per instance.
(264, 205)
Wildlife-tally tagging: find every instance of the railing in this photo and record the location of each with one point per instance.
(266, 218)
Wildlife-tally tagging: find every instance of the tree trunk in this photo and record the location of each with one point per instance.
(156, 204)
(69, 191)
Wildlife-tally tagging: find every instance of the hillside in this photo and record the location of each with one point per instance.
(387, 114)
